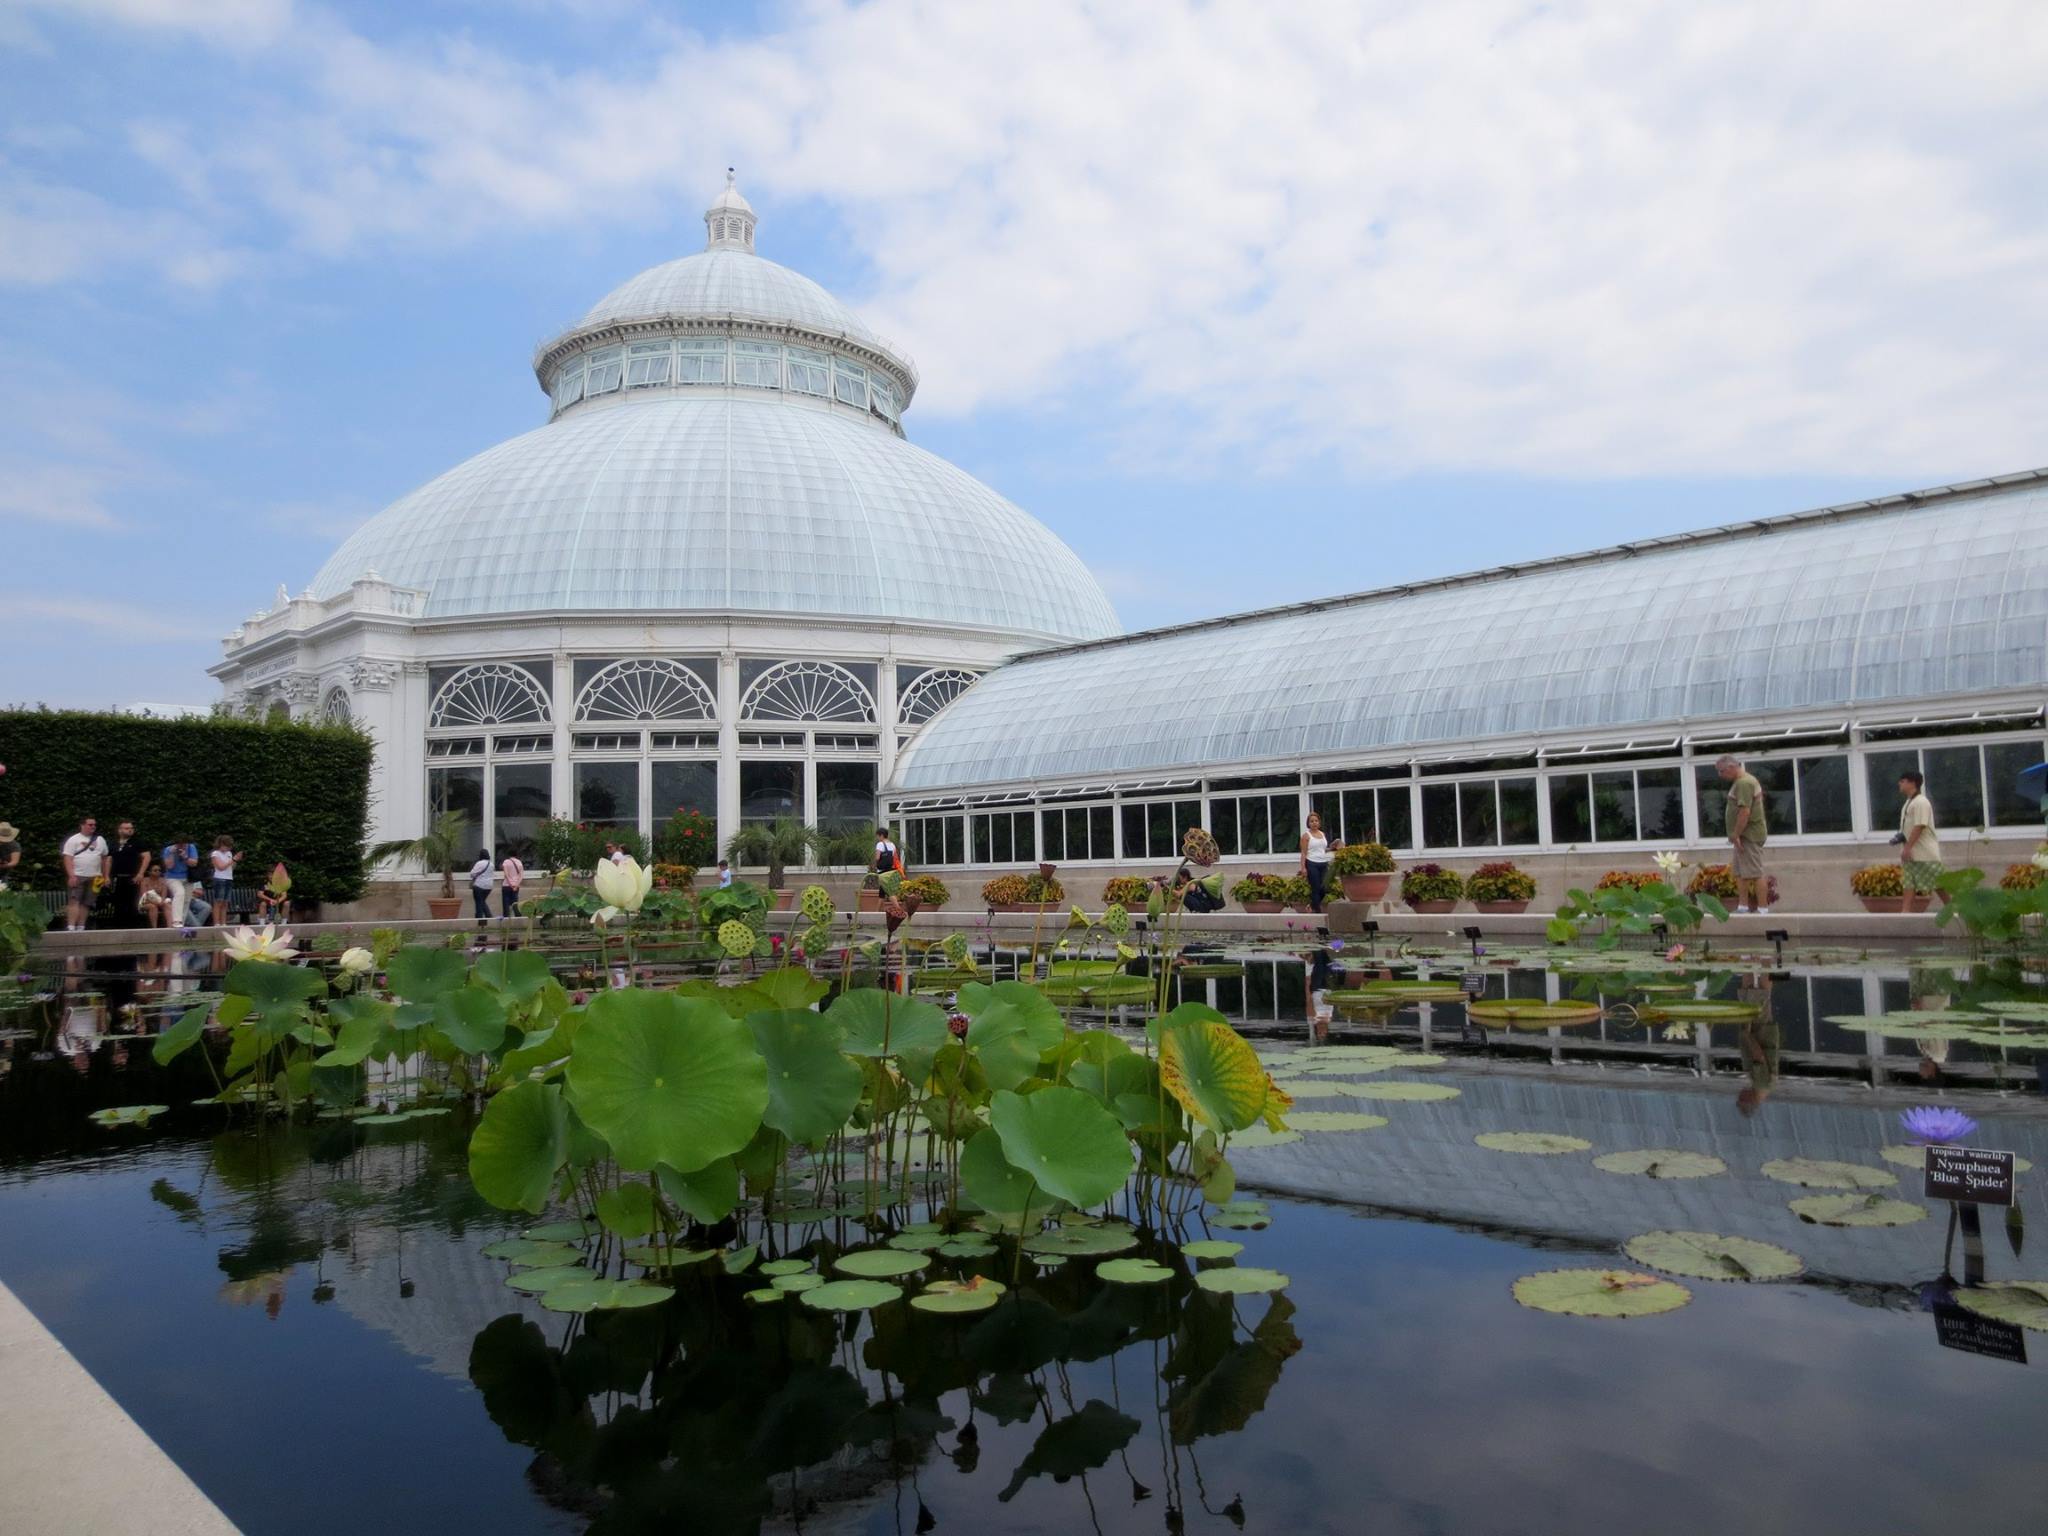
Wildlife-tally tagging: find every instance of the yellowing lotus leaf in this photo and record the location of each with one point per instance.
(1212, 1072)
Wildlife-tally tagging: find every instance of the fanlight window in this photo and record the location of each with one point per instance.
(490, 693)
(646, 689)
(334, 709)
(808, 690)
(931, 692)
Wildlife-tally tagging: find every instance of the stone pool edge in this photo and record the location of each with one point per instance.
(76, 1464)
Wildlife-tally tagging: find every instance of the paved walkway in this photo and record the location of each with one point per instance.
(72, 1463)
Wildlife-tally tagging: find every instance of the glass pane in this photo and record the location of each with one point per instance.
(462, 790)
(1439, 815)
(956, 839)
(1883, 769)
(1100, 843)
(769, 790)
(1359, 823)
(846, 796)
(1223, 823)
(1659, 804)
(1285, 811)
(1571, 815)
(1955, 783)
(1824, 794)
(520, 800)
(1329, 805)
(2012, 806)
(686, 787)
(1134, 832)
(1254, 828)
(1186, 814)
(1396, 818)
(1781, 802)
(1478, 817)
(984, 842)
(1056, 833)
(1713, 799)
(608, 794)
(1518, 811)
(1614, 807)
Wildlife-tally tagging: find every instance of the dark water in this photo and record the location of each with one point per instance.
(303, 1319)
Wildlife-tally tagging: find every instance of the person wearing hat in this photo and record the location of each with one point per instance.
(10, 852)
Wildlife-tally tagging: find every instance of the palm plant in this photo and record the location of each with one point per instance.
(844, 844)
(779, 843)
(439, 847)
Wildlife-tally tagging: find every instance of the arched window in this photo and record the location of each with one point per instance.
(335, 708)
(808, 690)
(931, 692)
(490, 693)
(647, 688)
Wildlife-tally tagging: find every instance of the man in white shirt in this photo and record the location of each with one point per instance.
(1920, 859)
(85, 858)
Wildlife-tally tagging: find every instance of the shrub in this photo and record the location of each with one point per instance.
(586, 844)
(1718, 881)
(1633, 880)
(284, 790)
(1128, 891)
(674, 877)
(687, 837)
(1362, 859)
(554, 845)
(1298, 894)
(1431, 882)
(1258, 887)
(1879, 881)
(1500, 882)
(929, 890)
(2022, 877)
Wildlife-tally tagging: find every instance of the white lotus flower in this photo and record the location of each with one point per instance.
(1669, 863)
(357, 962)
(623, 885)
(2041, 860)
(602, 916)
(245, 943)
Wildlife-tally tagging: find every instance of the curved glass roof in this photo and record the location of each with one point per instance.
(726, 503)
(727, 281)
(1937, 593)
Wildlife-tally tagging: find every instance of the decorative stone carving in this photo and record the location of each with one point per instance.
(368, 675)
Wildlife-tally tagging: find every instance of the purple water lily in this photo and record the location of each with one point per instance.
(1937, 1124)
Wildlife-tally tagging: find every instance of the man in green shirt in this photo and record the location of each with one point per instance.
(1746, 833)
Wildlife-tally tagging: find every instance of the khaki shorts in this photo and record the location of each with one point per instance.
(1749, 860)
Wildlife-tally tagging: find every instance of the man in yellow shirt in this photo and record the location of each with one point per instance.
(1920, 859)
(1746, 833)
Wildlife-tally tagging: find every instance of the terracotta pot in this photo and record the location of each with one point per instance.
(1918, 901)
(781, 901)
(442, 908)
(1883, 903)
(1260, 906)
(1028, 906)
(1501, 906)
(1364, 887)
(870, 901)
(1432, 906)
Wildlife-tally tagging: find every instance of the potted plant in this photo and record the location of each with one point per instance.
(1628, 880)
(1363, 869)
(1882, 888)
(924, 891)
(437, 848)
(687, 837)
(1130, 892)
(1260, 893)
(2024, 877)
(1298, 898)
(1431, 888)
(1501, 887)
(1023, 893)
(1718, 881)
(776, 844)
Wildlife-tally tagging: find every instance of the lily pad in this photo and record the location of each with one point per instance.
(966, 1246)
(774, 1267)
(1331, 1120)
(1132, 1271)
(1240, 1280)
(1312, 1090)
(1819, 1173)
(1703, 1011)
(1600, 1293)
(764, 1295)
(662, 1256)
(1069, 1242)
(1211, 1249)
(1857, 1211)
(1412, 1093)
(796, 1283)
(1259, 1136)
(1662, 1163)
(561, 1232)
(1535, 1143)
(2024, 1302)
(879, 1263)
(1709, 1256)
(535, 1281)
(1530, 1014)
(918, 1242)
(956, 1296)
(127, 1114)
(1915, 1156)
(851, 1295)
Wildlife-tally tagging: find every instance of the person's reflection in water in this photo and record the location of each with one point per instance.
(1319, 1010)
(1761, 1038)
(1929, 995)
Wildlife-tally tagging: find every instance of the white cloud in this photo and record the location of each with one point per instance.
(119, 620)
(70, 495)
(1574, 239)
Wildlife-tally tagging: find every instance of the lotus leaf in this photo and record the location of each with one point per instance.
(1662, 1163)
(519, 973)
(1818, 1173)
(972, 1295)
(1238, 1280)
(2022, 1302)
(1311, 1090)
(666, 1080)
(851, 1295)
(1600, 1293)
(799, 1282)
(1212, 1072)
(360, 1022)
(765, 1295)
(789, 986)
(704, 1194)
(1242, 1221)
(1857, 1211)
(419, 974)
(627, 1210)
(525, 1251)
(1916, 1157)
(472, 1019)
(1132, 1271)
(1212, 1248)
(1535, 1143)
(879, 1263)
(129, 1114)
(1709, 1256)
(630, 1294)
(175, 1040)
(1330, 1120)
(1081, 1242)
(1064, 1141)
(519, 1146)
(878, 1023)
(1259, 1136)
(1416, 1093)
(990, 1181)
(775, 1267)
(812, 1086)
(535, 1281)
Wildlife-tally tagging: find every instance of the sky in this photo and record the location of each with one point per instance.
(1249, 302)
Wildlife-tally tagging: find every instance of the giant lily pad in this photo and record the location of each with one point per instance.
(1662, 1163)
(879, 1263)
(519, 1146)
(1212, 1072)
(1600, 1293)
(665, 1079)
(535, 1281)
(1240, 1280)
(1414, 1093)
(812, 1086)
(1328, 1120)
(2023, 1302)
(1259, 1136)
(1519, 1014)
(1065, 1142)
(851, 1295)
(1702, 1011)
(1709, 1256)
(1534, 1143)
(1132, 1271)
(1819, 1173)
(1859, 1210)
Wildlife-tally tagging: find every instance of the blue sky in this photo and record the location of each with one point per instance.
(1248, 302)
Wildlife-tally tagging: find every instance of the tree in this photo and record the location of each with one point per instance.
(777, 844)
(439, 847)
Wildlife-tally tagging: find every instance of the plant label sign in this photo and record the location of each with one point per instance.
(1473, 983)
(1969, 1173)
(1973, 1335)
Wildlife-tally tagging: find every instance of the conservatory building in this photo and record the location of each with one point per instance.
(1566, 713)
(719, 577)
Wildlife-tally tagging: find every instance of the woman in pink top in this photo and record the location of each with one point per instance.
(513, 873)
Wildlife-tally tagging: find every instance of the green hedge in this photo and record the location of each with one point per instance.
(300, 793)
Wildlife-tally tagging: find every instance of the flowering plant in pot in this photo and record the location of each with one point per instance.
(1128, 891)
(1718, 881)
(1628, 880)
(1501, 887)
(1880, 887)
(1260, 893)
(1431, 888)
(1021, 892)
(1298, 897)
(2030, 876)
(1363, 869)
(926, 891)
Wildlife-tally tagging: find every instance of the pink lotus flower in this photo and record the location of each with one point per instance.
(1675, 952)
